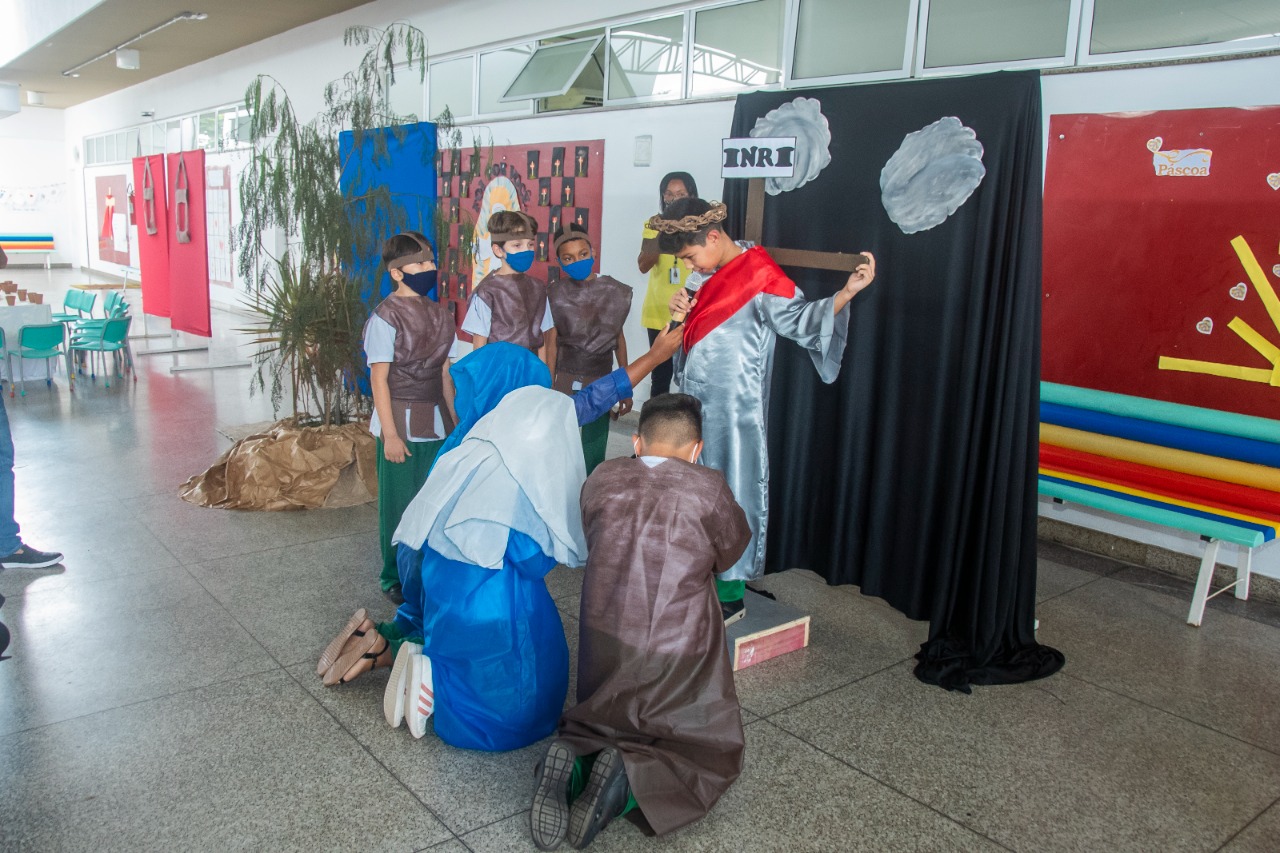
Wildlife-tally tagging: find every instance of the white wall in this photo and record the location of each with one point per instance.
(684, 136)
(39, 186)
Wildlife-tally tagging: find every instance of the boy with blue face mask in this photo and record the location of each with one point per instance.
(508, 304)
(408, 342)
(588, 311)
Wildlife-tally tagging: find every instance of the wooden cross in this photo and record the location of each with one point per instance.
(806, 258)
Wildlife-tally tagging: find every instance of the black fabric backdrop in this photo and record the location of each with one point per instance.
(914, 474)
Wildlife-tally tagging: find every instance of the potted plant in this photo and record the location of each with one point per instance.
(310, 297)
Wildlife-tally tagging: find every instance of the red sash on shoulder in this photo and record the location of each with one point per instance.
(733, 286)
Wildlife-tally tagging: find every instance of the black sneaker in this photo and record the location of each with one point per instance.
(733, 610)
(549, 815)
(394, 595)
(27, 557)
(602, 800)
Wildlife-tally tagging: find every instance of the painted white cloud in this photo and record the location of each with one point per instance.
(803, 119)
(932, 173)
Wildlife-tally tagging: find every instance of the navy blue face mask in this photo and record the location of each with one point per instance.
(421, 283)
(579, 270)
(520, 261)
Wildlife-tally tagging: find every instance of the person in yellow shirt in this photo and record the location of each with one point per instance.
(666, 275)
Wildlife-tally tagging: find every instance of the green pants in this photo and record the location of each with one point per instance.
(578, 780)
(390, 631)
(731, 590)
(595, 441)
(397, 485)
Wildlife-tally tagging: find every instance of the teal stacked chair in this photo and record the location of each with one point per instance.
(42, 341)
(112, 336)
(114, 306)
(77, 306)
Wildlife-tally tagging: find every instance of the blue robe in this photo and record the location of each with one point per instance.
(500, 664)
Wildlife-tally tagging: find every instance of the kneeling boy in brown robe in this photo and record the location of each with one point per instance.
(657, 725)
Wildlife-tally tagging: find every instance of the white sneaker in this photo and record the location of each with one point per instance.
(397, 685)
(419, 696)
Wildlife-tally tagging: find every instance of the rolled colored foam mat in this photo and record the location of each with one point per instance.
(1268, 532)
(1165, 435)
(1195, 417)
(1161, 481)
(1227, 470)
(1167, 517)
(1269, 526)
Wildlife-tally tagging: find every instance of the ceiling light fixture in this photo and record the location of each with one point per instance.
(181, 16)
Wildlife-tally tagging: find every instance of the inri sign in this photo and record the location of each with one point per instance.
(765, 157)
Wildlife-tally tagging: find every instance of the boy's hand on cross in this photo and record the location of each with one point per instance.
(861, 277)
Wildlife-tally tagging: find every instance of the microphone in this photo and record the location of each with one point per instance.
(678, 318)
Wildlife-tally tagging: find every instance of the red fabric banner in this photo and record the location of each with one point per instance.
(153, 249)
(733, 286)
(188, 245)
(1162, 256)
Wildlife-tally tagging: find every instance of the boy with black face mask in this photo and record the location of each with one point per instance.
(589, 311)
(509, 304)
(408, 341)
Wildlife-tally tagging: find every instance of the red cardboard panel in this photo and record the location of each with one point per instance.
(189, 260)
(153, 249)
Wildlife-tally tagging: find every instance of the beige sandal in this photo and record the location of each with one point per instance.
(360, 648)
(334, 649)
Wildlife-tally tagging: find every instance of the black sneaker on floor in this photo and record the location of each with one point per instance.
(27, 557)
(549, 815)
(394, 595)
(733, 610)
(602, 800)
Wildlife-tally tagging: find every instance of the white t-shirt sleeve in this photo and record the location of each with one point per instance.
(379, 340)
(547, 320)
(455, 351)
(479, 318)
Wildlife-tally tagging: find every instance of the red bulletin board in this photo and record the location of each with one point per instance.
(1162, 256)
(153, 249)
(188, 261)
(554, 181)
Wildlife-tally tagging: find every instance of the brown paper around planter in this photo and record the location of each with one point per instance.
(288, 468)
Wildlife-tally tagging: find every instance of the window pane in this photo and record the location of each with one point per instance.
(131, 145)
(552, 69)
(965, 32)
(1120, 25)
(647, 60)
(835, 37)
(449, 85)
(188, 126)
(407, 92)
(497, 70)
(207, 135)
(737, 47)
(112, 154)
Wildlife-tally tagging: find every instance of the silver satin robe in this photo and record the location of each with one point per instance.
(729, 371)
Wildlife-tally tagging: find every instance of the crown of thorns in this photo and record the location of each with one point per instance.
(689, 224)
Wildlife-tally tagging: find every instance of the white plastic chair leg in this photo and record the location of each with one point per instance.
(1242, 573)
(1203, 580)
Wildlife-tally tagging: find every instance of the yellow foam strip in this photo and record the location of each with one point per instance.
(1213, 368)
(1269, 351)
(1259, 279)
(1213, 467)
(1156, 496)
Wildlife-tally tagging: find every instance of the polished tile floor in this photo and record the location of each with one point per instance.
(161, 692)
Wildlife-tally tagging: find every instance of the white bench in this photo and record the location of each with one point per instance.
(27, 244)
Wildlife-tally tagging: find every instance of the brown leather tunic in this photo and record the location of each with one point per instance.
(424, 336)
(589, 317)
(654, 676)
(517, 304)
